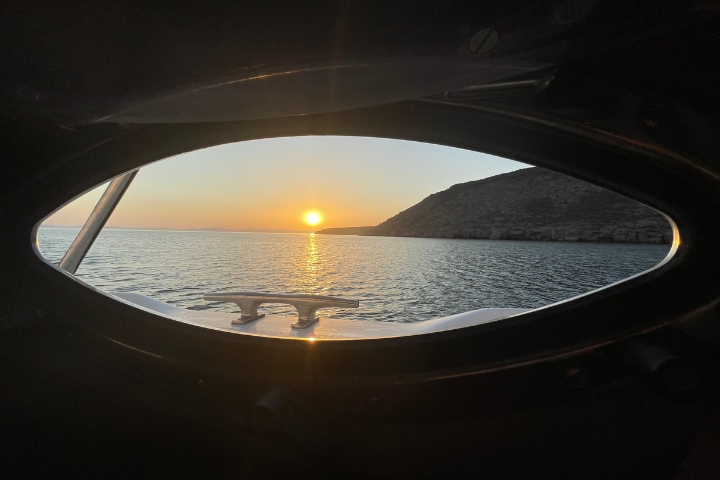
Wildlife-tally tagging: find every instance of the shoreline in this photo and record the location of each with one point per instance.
(504, 239)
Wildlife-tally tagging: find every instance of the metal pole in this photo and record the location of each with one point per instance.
(95, 222)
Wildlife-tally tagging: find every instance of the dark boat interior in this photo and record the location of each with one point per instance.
(620, 383)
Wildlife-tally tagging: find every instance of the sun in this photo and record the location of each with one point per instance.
(312, 217)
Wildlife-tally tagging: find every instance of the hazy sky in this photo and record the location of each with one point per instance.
(271, 183)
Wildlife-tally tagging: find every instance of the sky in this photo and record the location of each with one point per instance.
(273, 183)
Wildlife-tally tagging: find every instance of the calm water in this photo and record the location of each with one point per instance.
(395, 279)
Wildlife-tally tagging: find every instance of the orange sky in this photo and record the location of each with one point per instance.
(272, 183)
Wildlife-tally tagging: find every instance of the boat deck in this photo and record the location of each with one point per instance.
(329, 329)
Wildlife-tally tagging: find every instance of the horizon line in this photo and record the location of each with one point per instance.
(202, 229)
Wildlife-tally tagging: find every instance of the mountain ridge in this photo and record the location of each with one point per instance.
(529, 204)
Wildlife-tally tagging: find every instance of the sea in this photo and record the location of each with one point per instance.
(395, 279)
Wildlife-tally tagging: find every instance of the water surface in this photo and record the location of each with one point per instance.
(395, 279)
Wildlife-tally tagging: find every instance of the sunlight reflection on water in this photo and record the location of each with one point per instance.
(395, 279)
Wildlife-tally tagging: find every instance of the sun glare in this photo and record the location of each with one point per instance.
(312, 218)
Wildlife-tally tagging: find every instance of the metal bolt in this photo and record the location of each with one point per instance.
(484, 40)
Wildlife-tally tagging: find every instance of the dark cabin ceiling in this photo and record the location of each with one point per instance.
(80, 62)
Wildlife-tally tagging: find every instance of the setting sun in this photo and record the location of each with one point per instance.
(312, 218)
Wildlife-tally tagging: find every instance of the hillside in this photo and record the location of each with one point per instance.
(529, 204)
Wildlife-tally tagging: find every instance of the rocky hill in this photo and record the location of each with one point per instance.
(529, 204)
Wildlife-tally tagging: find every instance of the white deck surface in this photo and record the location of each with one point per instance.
(279, 326)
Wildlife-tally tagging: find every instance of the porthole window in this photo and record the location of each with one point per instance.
(350, 237)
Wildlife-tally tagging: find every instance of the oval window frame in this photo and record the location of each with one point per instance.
(330, 330)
